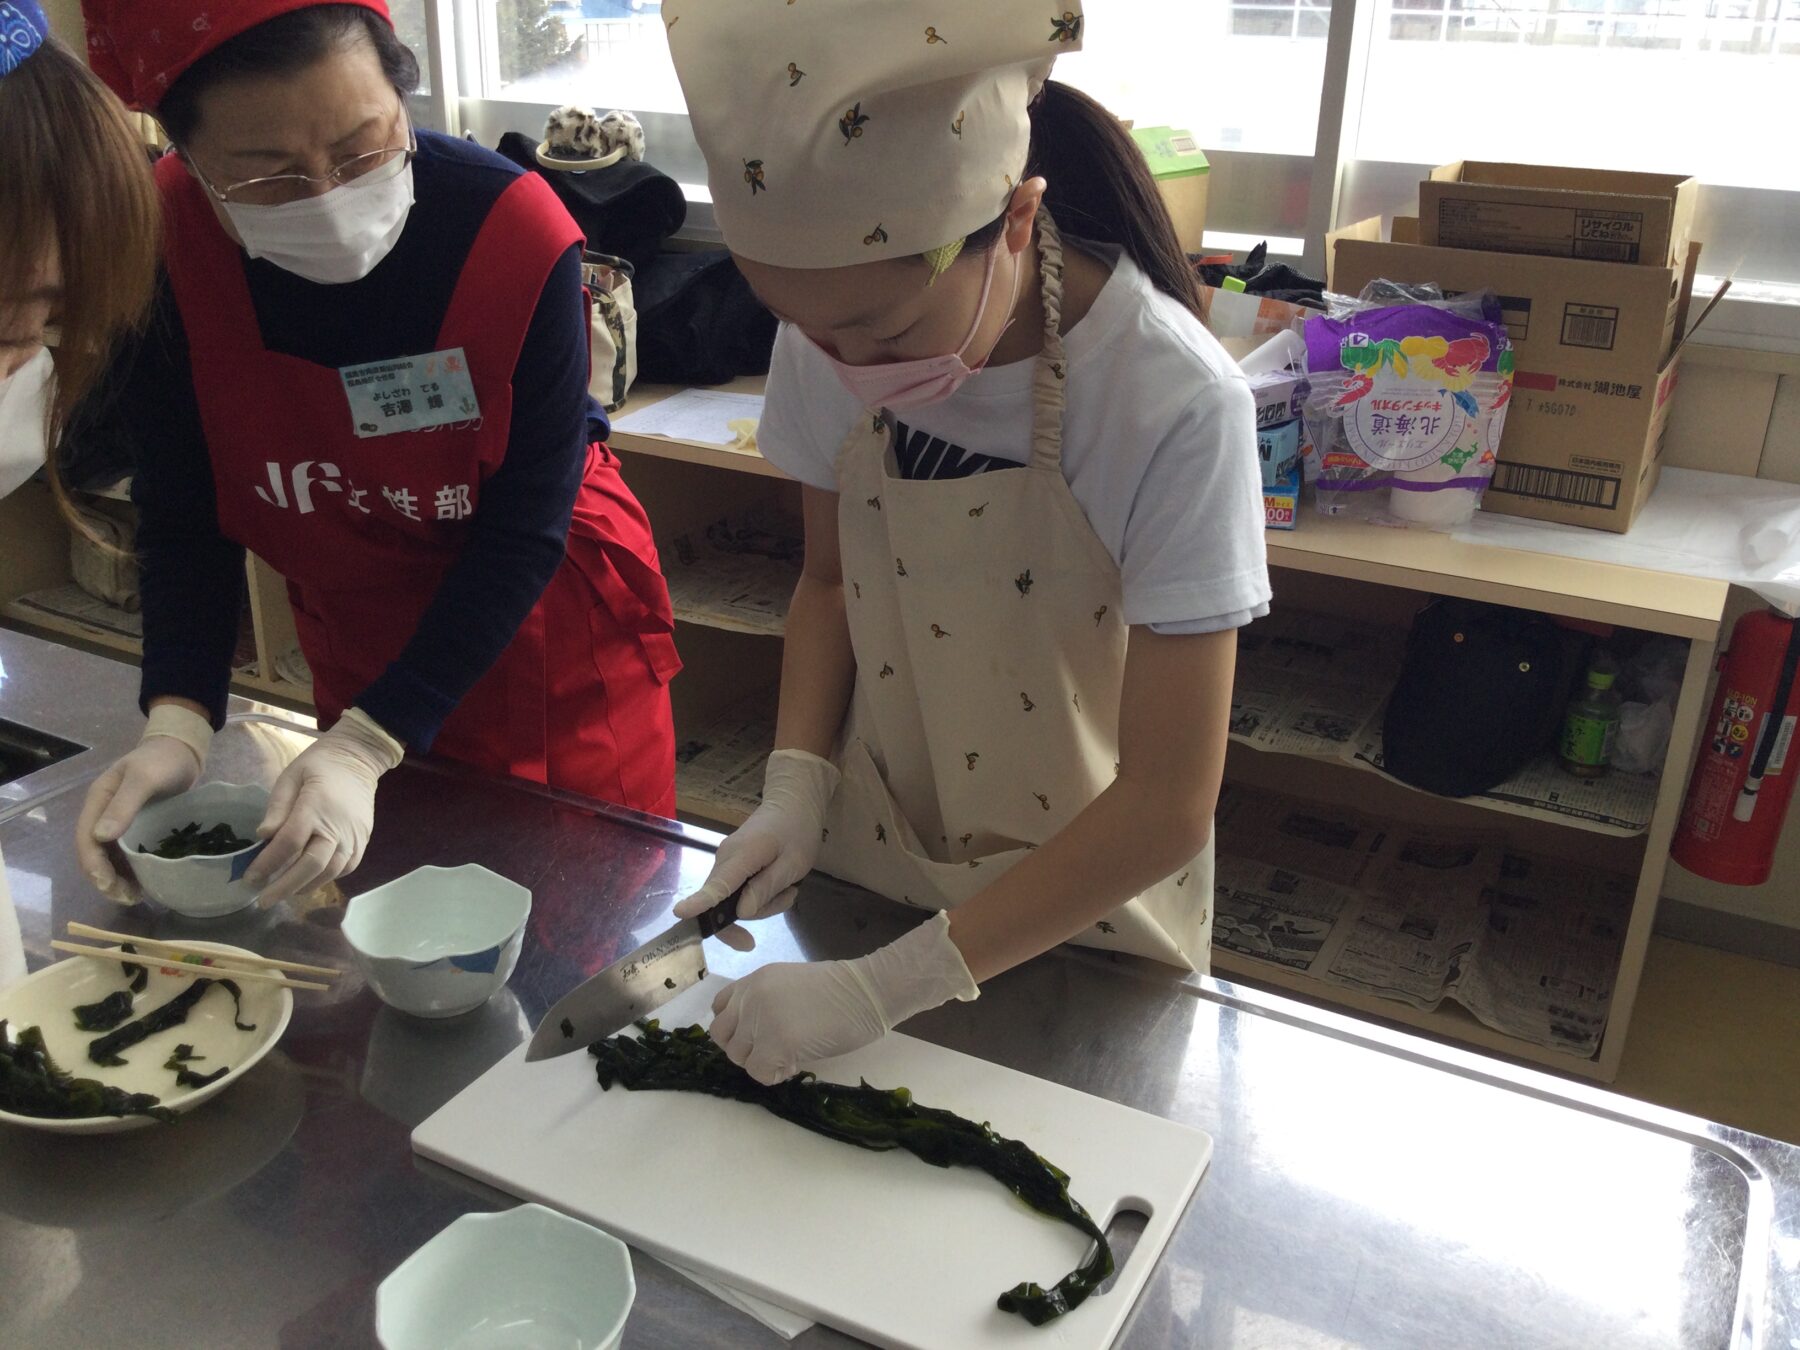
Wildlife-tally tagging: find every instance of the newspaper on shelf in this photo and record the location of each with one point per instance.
(1313, 684)
(719, 773)
(70, 604)
(1529, 945)
(737, 573)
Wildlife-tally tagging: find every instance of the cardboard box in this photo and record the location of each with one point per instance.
(1597, 214)
(1281, 502)
(1597, 350)
(1182, 175)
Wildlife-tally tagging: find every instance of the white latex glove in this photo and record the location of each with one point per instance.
(776, 1019)
(771, 853)
(322, 809)
(167, 760)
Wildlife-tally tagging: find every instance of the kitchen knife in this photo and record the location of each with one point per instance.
(635, 985)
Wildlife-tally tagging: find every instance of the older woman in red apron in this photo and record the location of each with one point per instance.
(369, 367)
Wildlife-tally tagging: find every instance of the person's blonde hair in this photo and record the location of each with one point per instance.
(77, 175)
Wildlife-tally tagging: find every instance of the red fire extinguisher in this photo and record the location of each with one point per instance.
(1739, 794)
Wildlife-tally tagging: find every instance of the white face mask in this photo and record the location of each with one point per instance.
(336, 237)
(24, 400)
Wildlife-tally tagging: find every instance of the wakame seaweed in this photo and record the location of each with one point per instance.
(106, 1049)
(181, 1054)
(879, 1119)
(104, 1015)
(190, 841)
(140, 975)
(31, 1084)
(108, 1012)
(187, 1078)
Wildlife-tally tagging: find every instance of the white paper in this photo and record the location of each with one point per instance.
(1718, 525)
(780, 1320)
(702, 415)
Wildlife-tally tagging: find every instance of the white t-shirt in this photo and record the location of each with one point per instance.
(1158, 446)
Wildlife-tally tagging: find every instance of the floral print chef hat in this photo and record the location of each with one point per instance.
(839, 132)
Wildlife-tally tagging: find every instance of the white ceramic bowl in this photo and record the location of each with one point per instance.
(48, 998)
(200, 888)
(525, 1279)
(438, 941)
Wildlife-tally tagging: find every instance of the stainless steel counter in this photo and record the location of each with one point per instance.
(1369, 1188)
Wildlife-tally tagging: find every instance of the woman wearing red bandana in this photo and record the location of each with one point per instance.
(369, 365)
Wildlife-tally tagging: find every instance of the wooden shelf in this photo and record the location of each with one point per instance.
(1449, 1021)
(1485, 803)
(45, 623)
(1436, 564)
(691, 452)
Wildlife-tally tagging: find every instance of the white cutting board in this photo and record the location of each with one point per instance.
(879, 1245)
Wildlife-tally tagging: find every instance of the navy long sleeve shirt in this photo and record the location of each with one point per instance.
(193, 576)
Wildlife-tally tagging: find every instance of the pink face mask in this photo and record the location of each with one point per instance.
(932, 379)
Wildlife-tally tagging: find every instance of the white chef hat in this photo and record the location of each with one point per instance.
(844, 131)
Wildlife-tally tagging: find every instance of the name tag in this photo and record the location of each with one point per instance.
(410, 393)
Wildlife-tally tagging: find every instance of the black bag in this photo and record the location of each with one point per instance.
(1481, 692)
(699, 322)
(627, 209)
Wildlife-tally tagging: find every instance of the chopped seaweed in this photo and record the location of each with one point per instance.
(237, 1004)
(104, 1015)
(105, 1050)
(179, 1059)
(31, 1084)
(689, 1060)
(187, 1078)
(139, 975)
(190, 841)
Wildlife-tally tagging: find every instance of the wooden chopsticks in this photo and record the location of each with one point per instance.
(173, 958)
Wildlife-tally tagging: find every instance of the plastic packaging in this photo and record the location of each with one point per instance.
(1408, 396)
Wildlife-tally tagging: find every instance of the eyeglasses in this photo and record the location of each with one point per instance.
(281, 188)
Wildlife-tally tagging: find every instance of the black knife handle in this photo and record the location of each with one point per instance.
(721, 915)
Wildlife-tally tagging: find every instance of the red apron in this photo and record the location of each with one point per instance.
(364, 530)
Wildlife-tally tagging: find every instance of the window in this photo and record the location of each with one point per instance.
(1652, 85)
(1698, 86)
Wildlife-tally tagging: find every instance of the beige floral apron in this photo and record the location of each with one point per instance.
(984, 614)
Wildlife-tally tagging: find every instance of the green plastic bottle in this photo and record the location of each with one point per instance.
(1591, 723)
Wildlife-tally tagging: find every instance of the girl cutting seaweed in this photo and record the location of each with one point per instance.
(1032, 506)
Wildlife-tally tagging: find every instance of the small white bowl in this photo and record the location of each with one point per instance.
(199, 888)
(525, 1278)
(440, 940)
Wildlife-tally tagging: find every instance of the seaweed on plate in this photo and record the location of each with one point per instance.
(32, 1084)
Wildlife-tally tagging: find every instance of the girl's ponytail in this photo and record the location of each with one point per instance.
(1101, 188)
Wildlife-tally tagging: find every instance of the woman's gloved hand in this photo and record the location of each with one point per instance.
(782, 1016)
(770, 853)
(167, 760)
(322, 809)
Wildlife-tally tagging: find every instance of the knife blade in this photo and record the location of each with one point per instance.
(636, 984)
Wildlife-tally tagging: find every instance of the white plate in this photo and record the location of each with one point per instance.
(48, 1000)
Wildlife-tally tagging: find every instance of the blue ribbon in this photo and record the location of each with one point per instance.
(23, 29)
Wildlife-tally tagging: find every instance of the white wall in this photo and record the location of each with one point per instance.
(1739, 412)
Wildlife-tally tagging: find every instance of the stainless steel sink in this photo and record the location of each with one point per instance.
(25, 750)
